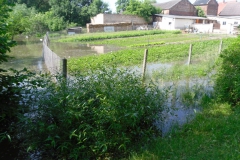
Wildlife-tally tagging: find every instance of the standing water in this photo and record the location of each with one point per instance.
(28, 52)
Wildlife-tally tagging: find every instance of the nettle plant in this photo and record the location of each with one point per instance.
(98, 116)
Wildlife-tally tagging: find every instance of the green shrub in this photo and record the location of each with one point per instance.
(228, 77)
(102, 115)
(14, 88)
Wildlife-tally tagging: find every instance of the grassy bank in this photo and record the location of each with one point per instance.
(214, 134)
(111, 35)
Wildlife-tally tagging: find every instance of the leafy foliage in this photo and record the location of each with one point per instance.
(40, 5)
(77, 11)
(19, 19)
(27, 20)
(101, 115)
(143, 9)
(5, 42)
(14, 88)
(227, 81)
(200, 12)
(121, 5)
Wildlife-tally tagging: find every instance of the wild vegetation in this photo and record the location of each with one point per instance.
(111, 113)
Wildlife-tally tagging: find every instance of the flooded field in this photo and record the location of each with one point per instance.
(28, 52)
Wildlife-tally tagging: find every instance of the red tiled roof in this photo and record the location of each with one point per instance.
(231, 9)
(221, 5)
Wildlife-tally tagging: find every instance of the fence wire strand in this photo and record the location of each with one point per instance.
(52, 60)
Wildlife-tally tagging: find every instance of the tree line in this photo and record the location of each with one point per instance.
(39, 16)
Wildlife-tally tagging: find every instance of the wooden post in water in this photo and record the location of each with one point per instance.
(220, 47)
(189, 54)
(64, 68)
(144, 63)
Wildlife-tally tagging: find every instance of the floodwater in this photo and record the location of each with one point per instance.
(28, 52)
(69, 50)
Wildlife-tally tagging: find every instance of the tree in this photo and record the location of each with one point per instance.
(200, 12)
(5, 42)
(78, 11)
(39, 5)
(19, 19)
(143, 9)
(121, 5)
(98, 6)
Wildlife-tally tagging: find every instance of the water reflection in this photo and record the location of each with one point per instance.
(28, 52)
(68, 50)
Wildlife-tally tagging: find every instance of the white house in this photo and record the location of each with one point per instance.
(174, 22)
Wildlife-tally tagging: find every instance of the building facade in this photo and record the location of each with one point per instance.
(210, 7)
(177, 7)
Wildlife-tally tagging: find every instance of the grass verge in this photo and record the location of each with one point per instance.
(213, 134)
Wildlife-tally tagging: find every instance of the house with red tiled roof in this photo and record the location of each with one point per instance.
(181, 15)
(210, 7)
(228, 16)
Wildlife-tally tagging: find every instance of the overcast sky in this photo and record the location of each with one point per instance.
(111, 3)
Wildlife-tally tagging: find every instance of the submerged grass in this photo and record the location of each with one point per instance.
(214, 134)
(158, 54)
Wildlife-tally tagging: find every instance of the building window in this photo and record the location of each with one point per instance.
(235, 22)
(224, 22)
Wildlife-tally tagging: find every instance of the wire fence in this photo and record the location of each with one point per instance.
(53, 62)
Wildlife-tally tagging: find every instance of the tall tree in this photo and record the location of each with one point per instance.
(142, 8)
(96, 7)
(39, 5)
(121, 5)
(5, 42)
(78, 11)
(19, 19)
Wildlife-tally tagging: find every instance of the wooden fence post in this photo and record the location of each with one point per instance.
(189, 54)
(144, 63)
(64, 69)
(220, 47)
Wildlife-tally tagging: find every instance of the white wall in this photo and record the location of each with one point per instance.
(204, 28)
(227, 23)
(98, 19)
(183, 23)
(167, 23)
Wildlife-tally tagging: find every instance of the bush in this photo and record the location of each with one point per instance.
(228, 77)
(13, 88)
(92, 117)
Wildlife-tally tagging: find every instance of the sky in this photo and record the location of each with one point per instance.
(111, 3)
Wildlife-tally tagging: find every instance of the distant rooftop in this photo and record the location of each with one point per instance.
(167, 5)
(201, 2)
(231, 9)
